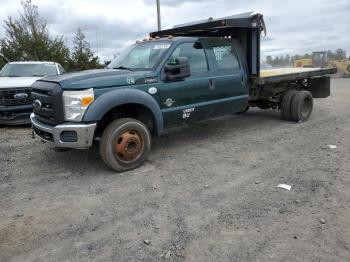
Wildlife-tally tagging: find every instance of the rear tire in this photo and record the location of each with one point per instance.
(125, 144)
(301, 106)
(286, 104)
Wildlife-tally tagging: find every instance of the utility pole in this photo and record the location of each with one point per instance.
(158, 15)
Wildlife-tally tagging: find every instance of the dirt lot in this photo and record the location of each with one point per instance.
(207, 193)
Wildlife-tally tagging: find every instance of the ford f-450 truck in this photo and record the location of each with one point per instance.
(16, 79)
(181, 75)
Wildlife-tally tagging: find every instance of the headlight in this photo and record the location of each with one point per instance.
(76, 102)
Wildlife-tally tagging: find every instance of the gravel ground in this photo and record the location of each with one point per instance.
(207, 193)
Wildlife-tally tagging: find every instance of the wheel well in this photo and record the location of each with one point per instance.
(136, 111)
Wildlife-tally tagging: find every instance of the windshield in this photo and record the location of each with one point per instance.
(28, 70)
(143, 56)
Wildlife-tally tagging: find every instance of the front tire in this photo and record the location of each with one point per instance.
(125, 144)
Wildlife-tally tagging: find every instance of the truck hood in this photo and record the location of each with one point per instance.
(99, 78)
(6, 82)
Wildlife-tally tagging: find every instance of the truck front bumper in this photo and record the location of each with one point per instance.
(15, 115)
(69, 135)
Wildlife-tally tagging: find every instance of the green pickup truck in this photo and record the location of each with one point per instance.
(188, 73)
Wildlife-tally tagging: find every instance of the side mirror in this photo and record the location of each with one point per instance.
(179, 71)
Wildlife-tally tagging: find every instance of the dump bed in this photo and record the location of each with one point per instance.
(279, 75)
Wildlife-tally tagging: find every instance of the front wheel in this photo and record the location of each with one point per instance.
(125, 144)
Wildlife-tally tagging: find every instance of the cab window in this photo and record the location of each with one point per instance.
(225, 57)
(195, 54)
(61, 69)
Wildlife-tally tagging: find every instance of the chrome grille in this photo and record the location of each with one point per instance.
(7, 96)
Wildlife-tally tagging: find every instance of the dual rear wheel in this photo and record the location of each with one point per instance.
(296, 105)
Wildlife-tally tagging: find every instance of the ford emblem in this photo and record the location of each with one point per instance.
(20, 96)
(37, 104)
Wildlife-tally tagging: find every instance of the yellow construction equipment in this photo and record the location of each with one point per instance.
(320, 59)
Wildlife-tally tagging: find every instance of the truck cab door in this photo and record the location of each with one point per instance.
(184, 100)
(230, 77)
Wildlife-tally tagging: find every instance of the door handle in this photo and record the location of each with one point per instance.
(211, 84)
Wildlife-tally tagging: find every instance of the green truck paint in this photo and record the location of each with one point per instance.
(182, 75)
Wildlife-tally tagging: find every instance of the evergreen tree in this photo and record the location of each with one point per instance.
(340, 54)
(287, 60)
(296, 57)
(269, 60)
(82, 57)
(330, 54)
(3, 60)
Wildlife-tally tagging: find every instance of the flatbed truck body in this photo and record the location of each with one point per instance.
(278, 75)
(181, 75)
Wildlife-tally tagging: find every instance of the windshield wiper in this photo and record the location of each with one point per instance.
(123, 67)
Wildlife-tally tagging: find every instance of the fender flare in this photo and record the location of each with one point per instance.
(118, 97)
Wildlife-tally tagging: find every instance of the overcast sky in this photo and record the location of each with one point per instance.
(293, 27)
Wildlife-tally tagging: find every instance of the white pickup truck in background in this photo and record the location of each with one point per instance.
(16, 79)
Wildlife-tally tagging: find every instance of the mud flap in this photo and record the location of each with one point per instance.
(320, 87)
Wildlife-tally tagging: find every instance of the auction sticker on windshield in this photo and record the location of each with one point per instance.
(164, 46)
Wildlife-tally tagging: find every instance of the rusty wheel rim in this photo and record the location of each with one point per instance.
(129, 146)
